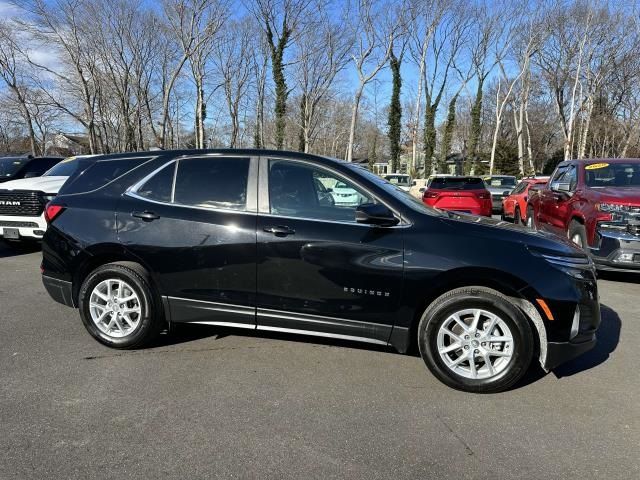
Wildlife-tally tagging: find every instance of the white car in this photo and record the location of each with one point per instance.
(22, 202)
(345, 196)
(400, 180)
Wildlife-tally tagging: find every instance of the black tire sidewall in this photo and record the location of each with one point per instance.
(142, 289)
(578, 228)
(513, 318)
(517, 219)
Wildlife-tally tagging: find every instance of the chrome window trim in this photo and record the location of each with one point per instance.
(264, 191)
(132, 190)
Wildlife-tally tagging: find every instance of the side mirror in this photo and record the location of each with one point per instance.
(329, 190)
(506, 193)
(414, 183)
(375, 214)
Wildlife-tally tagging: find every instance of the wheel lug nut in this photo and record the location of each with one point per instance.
(476, 351)
(466, 337)
(466, 347)
(477, 335)
(484, 344)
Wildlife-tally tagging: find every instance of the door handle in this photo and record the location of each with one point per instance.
(146, 216)
(279, 230)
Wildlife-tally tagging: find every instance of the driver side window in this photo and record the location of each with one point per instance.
(297, 189)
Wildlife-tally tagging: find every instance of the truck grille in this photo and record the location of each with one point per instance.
(20, 203)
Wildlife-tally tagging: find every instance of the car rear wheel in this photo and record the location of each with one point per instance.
(578, 234)
(474, 339)
(531, 222)
(118, 307)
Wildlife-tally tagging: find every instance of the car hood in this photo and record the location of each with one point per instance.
(501, 230)
(623, 195)
(41, 184)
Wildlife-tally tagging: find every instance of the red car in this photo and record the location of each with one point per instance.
(459, 194)
(595, 203)
(514, 206)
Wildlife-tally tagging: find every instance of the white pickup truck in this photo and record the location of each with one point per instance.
(22, 202)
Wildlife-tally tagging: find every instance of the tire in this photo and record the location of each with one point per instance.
(140, 319)
(577, 233)
(508, 363)
(517, 219)
(531, 221)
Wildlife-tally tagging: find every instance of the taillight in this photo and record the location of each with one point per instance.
(52, 211)
(428, 194)
(484, 195)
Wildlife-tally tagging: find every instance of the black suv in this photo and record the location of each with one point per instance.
(26, 166)
(259, 240)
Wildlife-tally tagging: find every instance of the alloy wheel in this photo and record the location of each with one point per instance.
(475, 344)
(115, 308)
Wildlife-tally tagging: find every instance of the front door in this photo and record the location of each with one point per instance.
(193, 225)
(318, 270)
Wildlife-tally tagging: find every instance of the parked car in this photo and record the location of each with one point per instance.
(225, 237)
(346, 196)
(22, 202)
(458, 194)
(401, 180)
(596, 204)
(514, 207)
(418, 187)
(26, 166)
(500, 186)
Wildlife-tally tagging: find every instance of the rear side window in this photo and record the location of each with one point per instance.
(98, 174)
(522, 186)
(216, 182)
(457, 183)
(159, 186)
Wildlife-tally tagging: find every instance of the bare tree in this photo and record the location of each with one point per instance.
(377, 26)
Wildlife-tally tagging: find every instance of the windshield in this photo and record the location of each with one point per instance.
(612, 174)
(398, 179)
(456, 183)
(10, 165)
(500, 181)
(63, 169)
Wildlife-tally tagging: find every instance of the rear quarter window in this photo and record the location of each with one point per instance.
(98, 174)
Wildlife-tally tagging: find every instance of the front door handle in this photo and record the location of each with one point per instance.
(147, 216)
(279, 230)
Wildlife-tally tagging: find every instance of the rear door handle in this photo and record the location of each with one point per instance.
(146, 215)
(279, 230)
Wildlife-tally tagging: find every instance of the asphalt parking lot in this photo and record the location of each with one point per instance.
(210, 402)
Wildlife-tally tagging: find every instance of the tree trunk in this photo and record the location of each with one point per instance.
(476, 129)
(354, 121)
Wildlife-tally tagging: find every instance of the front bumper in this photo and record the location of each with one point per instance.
(561, 352)
(27, 227)
(60, 290)
(616, 250)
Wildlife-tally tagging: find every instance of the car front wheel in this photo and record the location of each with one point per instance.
(117, 306)
(474, 339)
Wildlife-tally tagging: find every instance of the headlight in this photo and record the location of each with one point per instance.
(579, 267)
(613, 207)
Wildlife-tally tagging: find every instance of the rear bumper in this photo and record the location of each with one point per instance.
(561, 352)
(60, 290)
(619, 251)
(27, 227)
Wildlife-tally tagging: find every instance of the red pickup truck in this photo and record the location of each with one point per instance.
(595, 203)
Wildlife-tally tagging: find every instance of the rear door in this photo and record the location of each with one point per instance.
(193, 224)
(318, 270)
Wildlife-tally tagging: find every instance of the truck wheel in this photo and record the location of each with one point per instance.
(118, 307)
(474, 339)
(531, 222)
(578, 234)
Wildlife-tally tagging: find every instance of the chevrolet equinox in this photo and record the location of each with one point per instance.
(256, 239)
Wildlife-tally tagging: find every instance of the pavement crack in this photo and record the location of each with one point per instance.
(458, 437)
